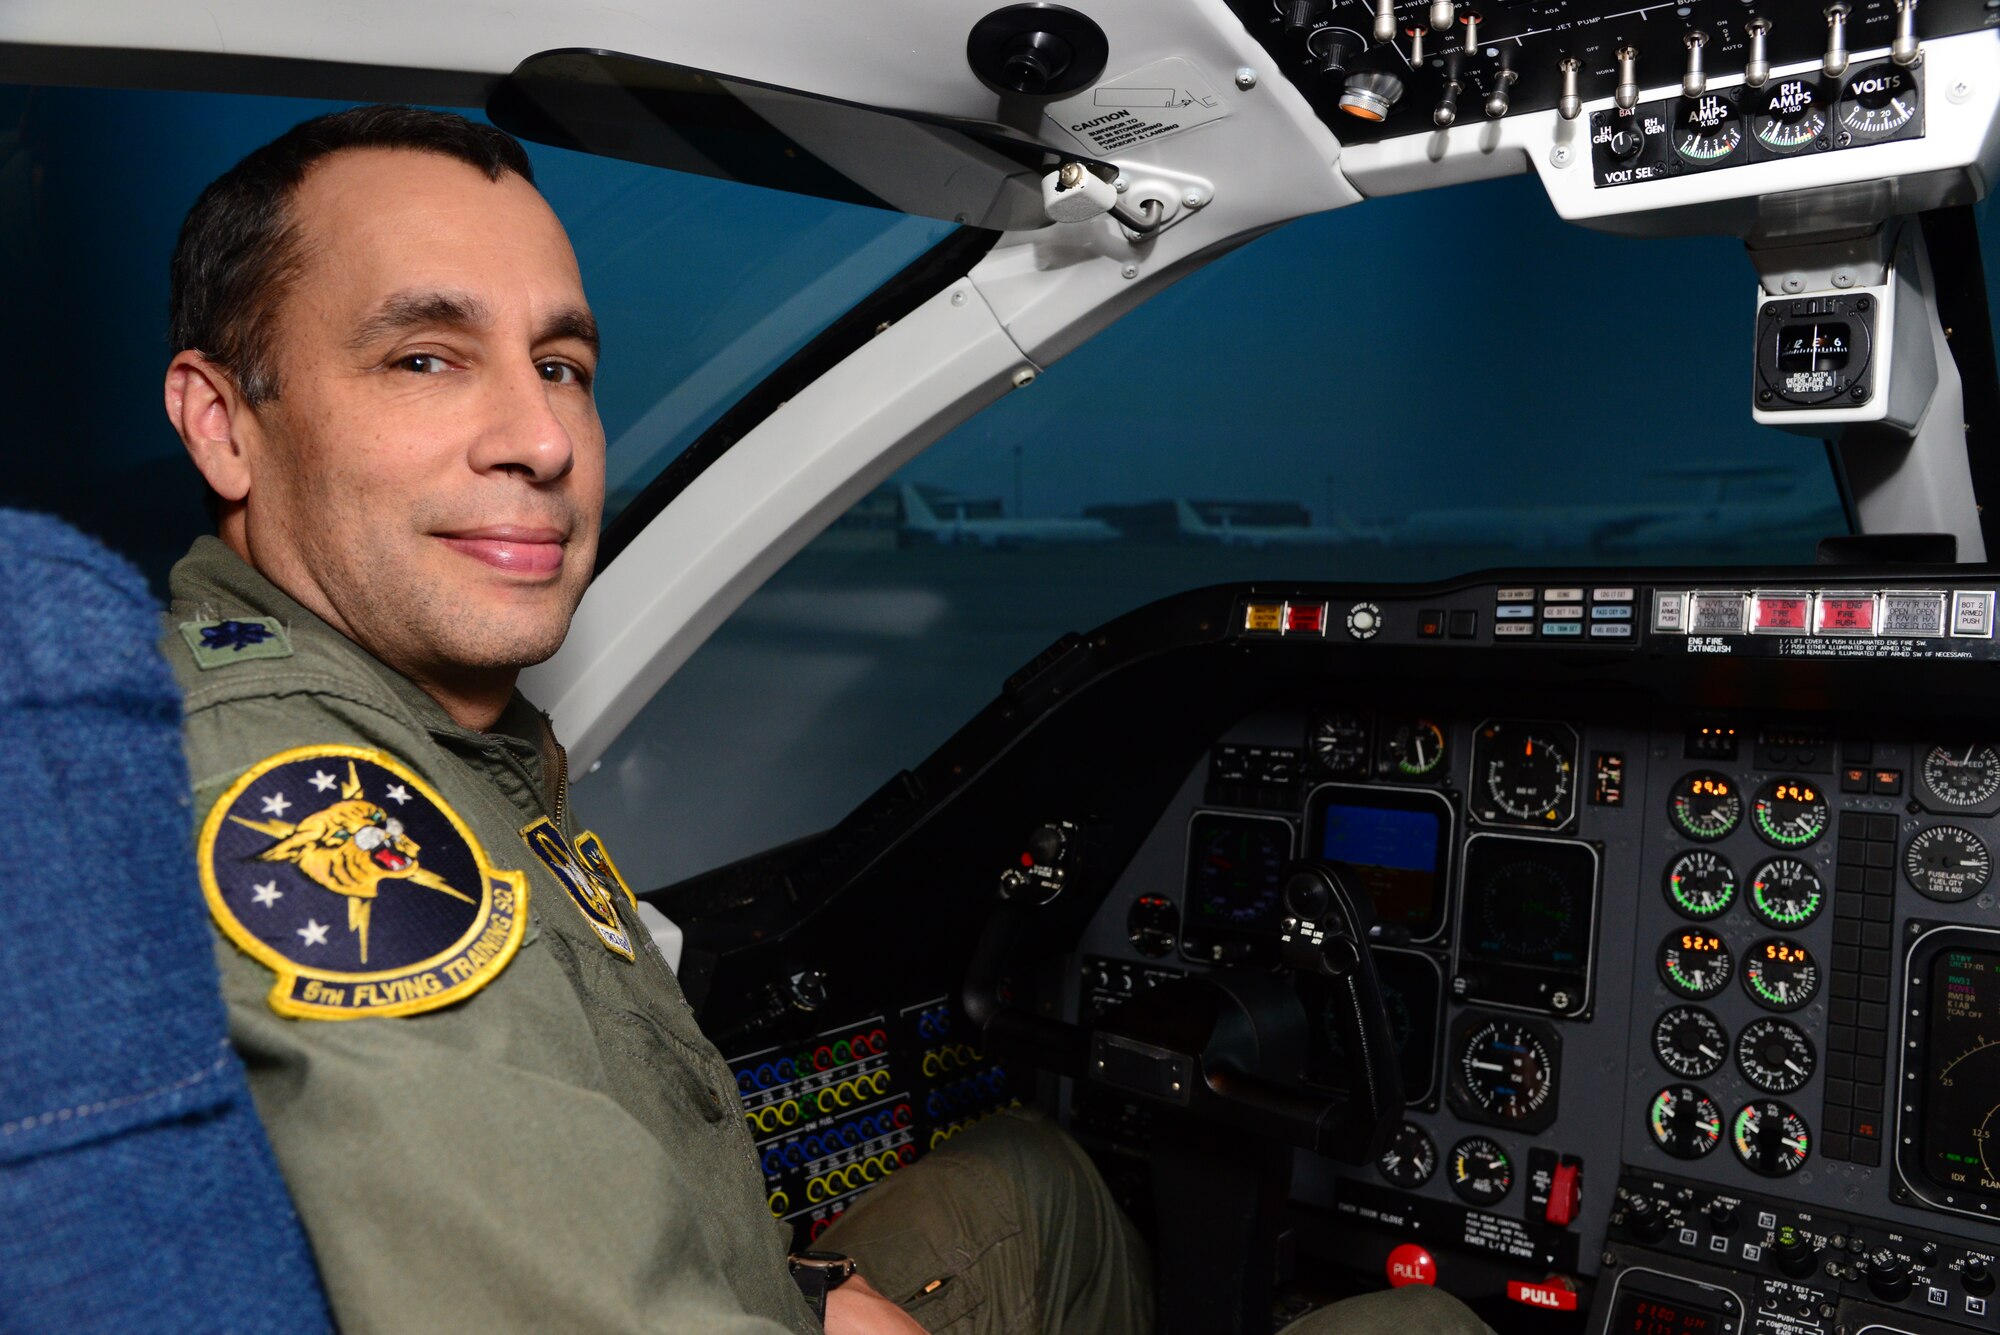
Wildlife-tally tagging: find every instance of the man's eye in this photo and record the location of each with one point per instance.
(564, 373)
(421, 363)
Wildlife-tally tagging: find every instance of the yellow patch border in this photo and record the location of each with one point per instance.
(590, 842)
(610, 929)
(290, 972)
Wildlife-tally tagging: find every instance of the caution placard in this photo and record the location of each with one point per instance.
(1163, 98)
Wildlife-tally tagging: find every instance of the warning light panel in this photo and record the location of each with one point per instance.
(1268, 617)
(1305, 618)
(1846, 614)
(1781, 613)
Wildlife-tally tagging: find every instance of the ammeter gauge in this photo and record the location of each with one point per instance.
(1694, 963)
(1684, 1121)
(1780, 974)
(1481, 1172)
(1790, 813)
(1876, 102)
(1785, 892)
(1705, 805)
(1707, 129)
(1411, 1157)
(1413, 748)
(1700, 884)
(1770, 1138)
(1774, 1056)
(1690, 1042)
(1788, 115)
(1958, 776)
(1947, 864)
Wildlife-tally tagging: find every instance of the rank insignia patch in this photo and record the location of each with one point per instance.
(219, 643)
(585, 871)
(348, 875)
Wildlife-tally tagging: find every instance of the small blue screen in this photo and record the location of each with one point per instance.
(1381, 837)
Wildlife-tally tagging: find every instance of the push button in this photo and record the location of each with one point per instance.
(1411, 1264)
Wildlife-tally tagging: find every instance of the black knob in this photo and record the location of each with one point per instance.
(1341, 47)
(1795, 1253)
(1975, 1276)
(1302, 14)
(1048, 845)
(1647, 1221)
(1306, 896)
(1626, 144)
(1722, 1217)
(1888, 1275)
(1034, 60)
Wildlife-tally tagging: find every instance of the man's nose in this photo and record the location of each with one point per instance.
(523, 432)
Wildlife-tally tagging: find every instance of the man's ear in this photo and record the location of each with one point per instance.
(214, 422)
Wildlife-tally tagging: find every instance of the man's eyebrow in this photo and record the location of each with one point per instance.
(405, 311)
(571, 322)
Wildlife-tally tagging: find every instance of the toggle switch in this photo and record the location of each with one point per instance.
(1500, 99)
(1446, 110)
(1904, 52)
(1385, 20)
(1626, 94)
(1416, 36)
(1570, 105)
(1470, 18)
(1757, 69)
(1834, 62)
(1441, 15)
(1695, 81)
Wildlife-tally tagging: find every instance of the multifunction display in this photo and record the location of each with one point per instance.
(1393, 845)
(1527, 923)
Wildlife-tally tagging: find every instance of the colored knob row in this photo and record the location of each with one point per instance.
(935, 1023)
(970, 1092)
(782, 1070)
(839, 1181)
(805, 1149)
(944, 1133)
(819, 1103)
(949, 1057)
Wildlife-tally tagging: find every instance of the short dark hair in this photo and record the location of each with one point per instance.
(239, 247)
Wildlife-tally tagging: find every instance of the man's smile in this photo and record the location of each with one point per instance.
(517, 549)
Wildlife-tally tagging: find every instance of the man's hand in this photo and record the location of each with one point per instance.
(855, 1308)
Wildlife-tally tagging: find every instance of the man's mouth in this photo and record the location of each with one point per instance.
(517, 549)
(388, 859)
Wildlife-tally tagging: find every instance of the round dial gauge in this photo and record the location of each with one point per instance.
(1694, 963)
(1700, 884)
(1707, 128)
(1339, 744)
(1411, 1157)
(1876, 102)
(1690, 1042)
(1705, 805)
(1414, 748)
(1788, 115)
(1684, 1121)
(1785, 892)
(1770, 1138)
(1790, 813)
(1480, 1170)
(1153, 924)
(1774, 1056)
(1780, 974)
(1508, 1069)
(1947, 864)
(1961, 775)
(1528, 772)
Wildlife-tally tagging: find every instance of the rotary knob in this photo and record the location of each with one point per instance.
(1888, 1275)
(1795, 1254)
(1646, 1220)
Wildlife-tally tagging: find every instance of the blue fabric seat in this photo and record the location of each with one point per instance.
(137, 1189)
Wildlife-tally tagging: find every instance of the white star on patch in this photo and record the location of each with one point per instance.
(275, 804)
(267, 893)
(314, 933)
(400, 793)
(323, 781)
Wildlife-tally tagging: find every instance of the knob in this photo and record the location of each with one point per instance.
(1647, 1220)
(1306, 895)
(1888, 1275)
(1341, 47)
(1904, 51)
(1626, 94)
(1722, 1217)
(1834, 62)
(1625, 144)
(1757, 68)
(1499, 100)
(1416, 36)
(1795, 1253)
(1302, 14)
(1446, 111)
(1385, 20)
(1976, 1277)
(1441, 13)
(1570, 105)
(1470, 18)
(1695, 81)
(1048, 845)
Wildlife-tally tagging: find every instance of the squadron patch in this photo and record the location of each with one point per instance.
(348, 875)
(219, 643)
(585, 871)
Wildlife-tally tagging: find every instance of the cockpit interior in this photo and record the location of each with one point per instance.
(1383, 606)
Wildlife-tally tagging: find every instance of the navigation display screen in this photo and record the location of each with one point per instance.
(1528, 923)
(1391, 845)
(1962, 1044)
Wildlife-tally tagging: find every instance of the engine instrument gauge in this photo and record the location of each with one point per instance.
(1153, 924)
(1789, 812)
(1694, 963)
(1705, 805)
(1947, 864)
(1707, 129)
(1961, 776)
(1690, 1042)
(1700, 884)
(1411, 1157)
(1506, 1071)
(1480, 1172)
(1524, 774)
(1413, 748)
(1774, 1055)
(1876, 102)
(1788, 115)
(1785, 892)
(1684, 1121)
(1770, 1138)
(1780, 974)
(1338, 745)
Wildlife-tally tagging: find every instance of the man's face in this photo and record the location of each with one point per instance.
(431, 474)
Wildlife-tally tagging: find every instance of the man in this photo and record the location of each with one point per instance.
(384, 374)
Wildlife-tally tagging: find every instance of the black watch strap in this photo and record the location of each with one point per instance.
(818, 1274)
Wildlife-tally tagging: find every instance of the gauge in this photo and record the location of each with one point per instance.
(1707, 128)
(1774, 1056)
(1947, 864)
(1785, 892)
(1413, 748)
(1684, 1121)
(1690, 1042)
(1525, 773)
(1790, 812)
(1961, 775)
(1480, 1170)
(1235, 866)
(1780, 974)
(1876, 102)
(1695, 964)
(1705, 805)
(1528, 908)
(1508, 1070)
(1411, 1157)
(1770, 1138)
(1153, 923)
(1700, 884)
(1338, 744)
(1789, 116)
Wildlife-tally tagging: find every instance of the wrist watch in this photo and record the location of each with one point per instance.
(818, 1274)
